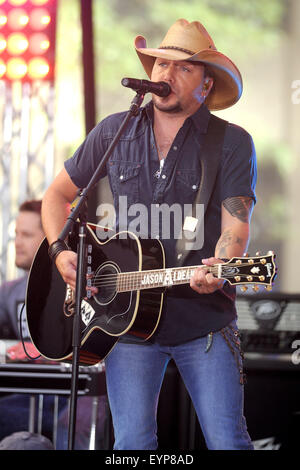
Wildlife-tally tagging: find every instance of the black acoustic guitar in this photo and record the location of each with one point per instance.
(131, 278)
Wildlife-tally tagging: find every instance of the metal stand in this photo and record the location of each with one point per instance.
(79, 212)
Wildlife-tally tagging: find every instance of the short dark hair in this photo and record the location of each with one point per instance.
(33, 205)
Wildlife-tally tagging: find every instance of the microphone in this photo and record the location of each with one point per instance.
(145, 86)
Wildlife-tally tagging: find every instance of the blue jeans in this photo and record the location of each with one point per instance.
(134, 374)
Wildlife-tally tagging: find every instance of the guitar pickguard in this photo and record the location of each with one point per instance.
(121, 314)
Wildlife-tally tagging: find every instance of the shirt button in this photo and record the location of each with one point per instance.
(194, 186)
(175, 147)
(163, 177)
(121, 177)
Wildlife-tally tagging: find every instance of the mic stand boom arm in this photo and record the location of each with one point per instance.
(80, 212)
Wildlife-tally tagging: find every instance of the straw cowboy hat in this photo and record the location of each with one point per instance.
(191, 42)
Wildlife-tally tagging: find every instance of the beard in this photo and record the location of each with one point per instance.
(171, 109)
(23, 263)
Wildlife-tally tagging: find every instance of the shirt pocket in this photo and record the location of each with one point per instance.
(125, 181)
(187, 184)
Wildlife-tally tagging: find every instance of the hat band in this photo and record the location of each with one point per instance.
(177, 49)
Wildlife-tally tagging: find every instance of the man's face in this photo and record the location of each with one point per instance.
(29, 235)
(186, 81)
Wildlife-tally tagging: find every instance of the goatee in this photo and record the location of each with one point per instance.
(172, 109)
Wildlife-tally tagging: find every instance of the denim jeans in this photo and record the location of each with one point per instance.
(212, 376)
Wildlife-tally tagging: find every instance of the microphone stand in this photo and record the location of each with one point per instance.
(80, 212)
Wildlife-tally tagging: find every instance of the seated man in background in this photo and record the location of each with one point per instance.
(14, 408)
(29, 234)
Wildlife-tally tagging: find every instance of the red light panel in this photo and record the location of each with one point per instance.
(3, 18)
(17, 44)
(17, 19)
(3, 43)
(17, 2)
(27, 33)
(16, 69)
(39, 44)
(2, 68)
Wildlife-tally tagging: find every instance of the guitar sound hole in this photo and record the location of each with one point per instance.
(105, 280)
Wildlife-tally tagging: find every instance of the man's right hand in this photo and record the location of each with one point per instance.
(66, 263)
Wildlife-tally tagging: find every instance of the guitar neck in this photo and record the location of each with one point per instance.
(160, 277)
(260, 270)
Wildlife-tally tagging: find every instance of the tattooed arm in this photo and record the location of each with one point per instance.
(236, 214)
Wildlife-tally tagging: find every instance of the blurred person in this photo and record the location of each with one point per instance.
(159, 161)
(28, 236)
(14, 408)
(26, 441)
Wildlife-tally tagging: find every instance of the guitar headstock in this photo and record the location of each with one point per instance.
(257, 270)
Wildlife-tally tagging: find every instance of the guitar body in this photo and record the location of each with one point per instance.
(104, 317)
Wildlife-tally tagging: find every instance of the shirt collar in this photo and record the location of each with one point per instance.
(200, 118)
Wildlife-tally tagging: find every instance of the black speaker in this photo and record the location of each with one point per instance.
(269, 323)
(270, 333)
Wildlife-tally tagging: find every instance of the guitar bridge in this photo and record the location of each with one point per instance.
(69, 303)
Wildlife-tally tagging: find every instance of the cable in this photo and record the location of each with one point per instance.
(22, 339)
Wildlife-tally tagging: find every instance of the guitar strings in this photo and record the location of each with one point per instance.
(112, 279)
(136, 274)
(114, 282)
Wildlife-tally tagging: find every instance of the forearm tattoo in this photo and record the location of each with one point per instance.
(240, 207)
(227, 239)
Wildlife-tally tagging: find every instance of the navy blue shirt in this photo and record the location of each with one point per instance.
(134, 173)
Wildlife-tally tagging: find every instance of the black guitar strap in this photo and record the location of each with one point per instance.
(210, 159)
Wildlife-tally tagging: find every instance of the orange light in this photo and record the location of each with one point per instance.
(2, 68)
(17, 3)
(38, 43)
(38, 68)
(3, 18)
(2, 43)
(17, 19)
(39, 19)
(17, 43)
(16, 69)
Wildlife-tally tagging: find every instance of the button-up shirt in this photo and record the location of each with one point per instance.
(139, 183)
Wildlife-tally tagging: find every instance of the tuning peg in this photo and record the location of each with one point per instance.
(255, 288)
(268, 288)
(270, 253)
(244, 288)
(257, 253)
(246, 255)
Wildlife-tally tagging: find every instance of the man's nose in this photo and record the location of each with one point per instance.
(168, 74)
(18, 240)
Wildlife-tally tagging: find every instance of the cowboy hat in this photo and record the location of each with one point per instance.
(191, 42)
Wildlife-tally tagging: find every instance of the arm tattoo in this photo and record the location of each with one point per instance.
(227, 239)
(240, 207)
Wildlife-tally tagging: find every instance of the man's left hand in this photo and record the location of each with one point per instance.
(203, 281)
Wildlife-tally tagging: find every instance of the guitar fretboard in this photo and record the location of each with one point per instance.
(157, 278)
